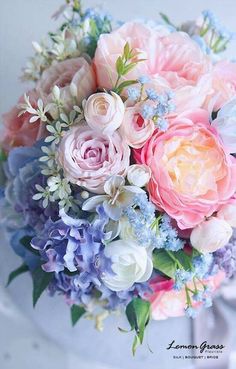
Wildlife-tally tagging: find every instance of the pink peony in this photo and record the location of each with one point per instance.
(192, 173)
(77, 72)
(134, 129)
(17, 131)
(224, 83)
(167, 303)
(89, 157)
(173, 61)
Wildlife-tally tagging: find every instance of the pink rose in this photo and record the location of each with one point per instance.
(89, 157)
(174, 61)
(136, 130)
(17, 131)
(104, 112)
(76, 72)
(224, 83)
(167, 303)
(192, 173)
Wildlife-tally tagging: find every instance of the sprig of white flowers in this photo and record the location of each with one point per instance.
(37, 113)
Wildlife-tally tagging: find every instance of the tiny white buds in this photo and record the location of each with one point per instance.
(84, 195)
(73, 89)
(56, 93)
(37, 47)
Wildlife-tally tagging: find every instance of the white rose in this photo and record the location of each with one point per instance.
(131, 264)
(228, 213)
(138, 175)
(211, 235)
(104, 112)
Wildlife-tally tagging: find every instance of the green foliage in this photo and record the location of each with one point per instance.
(41, 281)
(76, 313)
(15, 273)
(124, 64)
(138, 315)
(167, 262)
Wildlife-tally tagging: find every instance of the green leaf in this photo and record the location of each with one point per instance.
(26, 243)
(125, 84)
(3, 155)
(41, 281)
(119, 66)
(163, 262)
(127, 51)
(128, 68)
(22, 269)
(167, 20)
(138, 315)
(76, 313)
(184, 259)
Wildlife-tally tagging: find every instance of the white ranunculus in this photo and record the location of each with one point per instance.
(138, 175)
(104, 112)
(211, 235)
(228, 213)
(225, 124)
(131, 264)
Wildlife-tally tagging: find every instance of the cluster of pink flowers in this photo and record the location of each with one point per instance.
(152, 114)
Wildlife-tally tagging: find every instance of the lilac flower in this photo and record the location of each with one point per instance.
(23, 172)
(225, 258)
(77, 246)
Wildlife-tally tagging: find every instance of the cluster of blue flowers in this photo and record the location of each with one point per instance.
(147, 229)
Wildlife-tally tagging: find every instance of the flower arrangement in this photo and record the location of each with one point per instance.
(118, 168)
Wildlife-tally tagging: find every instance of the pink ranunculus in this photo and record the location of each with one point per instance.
(167, 302)
(89, 157)
(174, 61)
(75, 71)
(192, 172)
(104, 112)
(134, 129)
(17, 130)
(224, 83)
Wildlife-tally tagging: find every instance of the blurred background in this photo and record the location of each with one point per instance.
(43, 338)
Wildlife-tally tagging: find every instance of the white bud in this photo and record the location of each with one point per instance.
(211, 235)
(56, 93)
(138, 175)
(73, 89)
(84, 195)
(37, 47)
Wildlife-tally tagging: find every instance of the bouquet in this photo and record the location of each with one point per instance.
(118, 174)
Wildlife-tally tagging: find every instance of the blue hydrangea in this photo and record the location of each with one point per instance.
(133, 93)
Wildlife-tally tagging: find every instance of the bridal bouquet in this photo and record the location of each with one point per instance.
(118, 172)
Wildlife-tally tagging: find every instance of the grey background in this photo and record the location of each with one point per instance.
(45, 334)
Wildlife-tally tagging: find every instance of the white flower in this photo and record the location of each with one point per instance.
(138, 175)
(225, 124)
(126, 230)
(211, 235)
(131, 264)
(118, 196)
(104, 112)
(228, 213)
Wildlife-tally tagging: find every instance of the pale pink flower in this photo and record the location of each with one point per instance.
(76, 72)
(134, 129)
(192, 173)
(17, 130)
(104, 112)
(175, 61)
(89, 157)
(167, 302)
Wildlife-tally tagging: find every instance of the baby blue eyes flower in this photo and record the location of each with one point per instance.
(133, 93)
(143, 80)
(147, 111)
